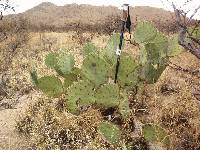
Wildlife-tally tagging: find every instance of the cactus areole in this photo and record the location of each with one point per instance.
(126, 24)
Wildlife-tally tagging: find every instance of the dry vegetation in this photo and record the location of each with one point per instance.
(170, 102)
(48, 125)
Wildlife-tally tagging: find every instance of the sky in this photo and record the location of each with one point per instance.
(23, 5)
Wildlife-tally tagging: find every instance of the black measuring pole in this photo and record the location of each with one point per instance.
(126, 23)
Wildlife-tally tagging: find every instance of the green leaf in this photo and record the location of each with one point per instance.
(50, 85)
(154, 133)
(110, 132)
(107, 96)
(80, 93)
(95, 69)
(124, 108)
(144, 32)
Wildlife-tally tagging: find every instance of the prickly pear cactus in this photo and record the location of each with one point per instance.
(95, 69)
(110, 132)
(144, 32)
(124, 108)
(50, 85)
(128, 75)
(155, 134)
(80, 94)
(107, 96)
(89, 48)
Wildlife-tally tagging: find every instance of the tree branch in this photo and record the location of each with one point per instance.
(183, 31)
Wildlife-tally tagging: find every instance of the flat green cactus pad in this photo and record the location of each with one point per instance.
(110, 51)
(65, 64)
(62, 63)
(151, 73)
(161, 42)
(108, 96)
(153, 53)
(51, 60)
(95, 69)
(69, 79)
(145, 32)
(124, 108)
(89, 48)
(51, 86)
(80, 94)
(174, 48)
(110, 132)
(154, 133)
(128, 75)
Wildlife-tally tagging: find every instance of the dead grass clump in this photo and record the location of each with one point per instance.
(187, 141)
(48, 128)
(175, 118)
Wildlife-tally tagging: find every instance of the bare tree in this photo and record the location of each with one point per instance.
(193, 44)
(5, 5)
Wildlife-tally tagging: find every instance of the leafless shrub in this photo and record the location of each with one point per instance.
(18, 33)
(193, 45)
(5, 5)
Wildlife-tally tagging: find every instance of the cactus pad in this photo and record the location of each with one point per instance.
(110, 50)
(110, 132)
(127, 71)
(95, 69)
(174, 48)
(89, 48)
(50, 85)
(80, 94)
(69, 79)
(65, 64)
(145, 32)
(124, 108)
(161, 42)
(154, 133)
(51, 60)
(107, 96)
(151, 73)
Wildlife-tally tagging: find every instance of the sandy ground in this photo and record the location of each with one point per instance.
(9, 139)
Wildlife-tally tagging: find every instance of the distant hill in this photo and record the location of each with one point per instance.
(48, 14)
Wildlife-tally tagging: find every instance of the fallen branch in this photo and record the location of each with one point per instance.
(197, 95)
(190, 71)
